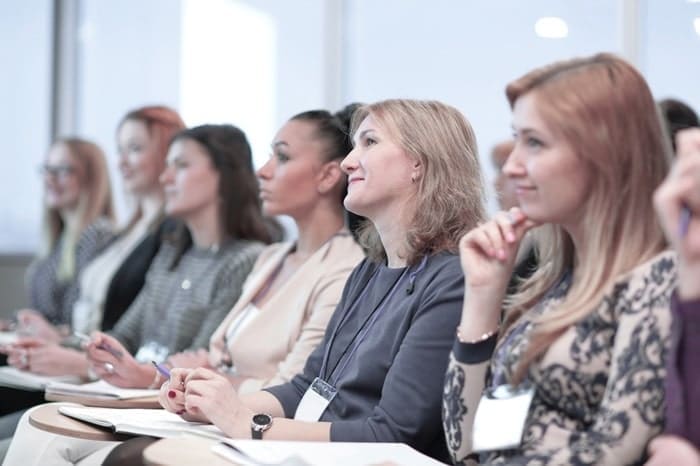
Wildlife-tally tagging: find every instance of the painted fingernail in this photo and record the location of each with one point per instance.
(182, 411)
(171, 394)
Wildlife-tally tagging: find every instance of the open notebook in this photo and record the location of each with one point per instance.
(256, 453)
(15, 378)
(153, 422)
(99, 389)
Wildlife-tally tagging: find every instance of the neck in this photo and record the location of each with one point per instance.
(70, 218)
(205, 227)
(393, 237)
(151, 204)
(317, 227)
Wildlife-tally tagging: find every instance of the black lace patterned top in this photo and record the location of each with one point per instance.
(599, 388)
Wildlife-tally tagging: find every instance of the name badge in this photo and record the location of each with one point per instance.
(315, 401)
(500, 417)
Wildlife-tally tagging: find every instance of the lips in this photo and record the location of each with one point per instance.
(353, 180)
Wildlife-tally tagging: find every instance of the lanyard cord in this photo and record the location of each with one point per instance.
(368, 322)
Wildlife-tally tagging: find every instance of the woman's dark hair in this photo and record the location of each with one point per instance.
(334, 130)
(678, 116)
(230, 154)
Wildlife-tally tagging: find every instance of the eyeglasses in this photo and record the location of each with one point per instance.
(61, 171)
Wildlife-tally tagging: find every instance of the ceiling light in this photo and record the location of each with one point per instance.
(551, 27)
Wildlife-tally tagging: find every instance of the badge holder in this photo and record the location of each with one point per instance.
(500, 417)
(315, 401)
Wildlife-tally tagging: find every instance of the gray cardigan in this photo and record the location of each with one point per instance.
(179, 309)
(390, 389)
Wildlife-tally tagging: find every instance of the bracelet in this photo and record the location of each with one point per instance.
(483, 337)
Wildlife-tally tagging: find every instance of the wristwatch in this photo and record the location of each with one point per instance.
(259, 424)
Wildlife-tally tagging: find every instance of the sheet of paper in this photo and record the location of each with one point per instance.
(99, 389)
(322, 453)
(12, 377)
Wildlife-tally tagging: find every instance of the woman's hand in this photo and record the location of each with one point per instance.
(488, 251)
(112, 362)
(18, 352)
(190, 359)
(47, 359)
(667, 450)
(678, 195)
(31, 323)
(172, 396)
(212, 396)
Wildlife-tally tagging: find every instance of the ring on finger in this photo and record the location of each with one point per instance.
(109, 368)
(24, 359)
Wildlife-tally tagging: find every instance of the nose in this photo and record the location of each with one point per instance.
(167, 176)
(265, 171)
(349, 163)
(514, 166)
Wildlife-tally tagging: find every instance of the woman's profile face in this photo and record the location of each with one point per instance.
(380, 173)
(289, 180)
(140, 163)
(190, 180)
(551, 182)
(62, 179)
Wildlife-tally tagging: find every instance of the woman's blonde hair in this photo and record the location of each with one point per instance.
(450, 196)
(95, 201)
(602, 107)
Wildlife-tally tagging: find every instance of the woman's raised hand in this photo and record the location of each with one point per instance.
(488, 251)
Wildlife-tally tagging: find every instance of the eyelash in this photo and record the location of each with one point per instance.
(533, 142)
(370, 141)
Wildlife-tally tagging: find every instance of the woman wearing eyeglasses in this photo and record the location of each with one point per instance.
(77, 224)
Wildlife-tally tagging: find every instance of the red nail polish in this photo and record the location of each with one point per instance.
(171, 394)
(182, 411)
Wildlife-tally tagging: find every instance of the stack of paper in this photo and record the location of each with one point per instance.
(99, 389)
(153, 422)
(255, 452)
(7, 338)
(15, 378)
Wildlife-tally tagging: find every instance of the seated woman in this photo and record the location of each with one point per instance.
(581, 347)
(199, 273)
(678, 207)
(77, 224)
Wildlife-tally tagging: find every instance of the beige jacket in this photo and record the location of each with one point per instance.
(274, 345)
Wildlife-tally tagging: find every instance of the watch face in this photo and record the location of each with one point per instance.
(262, 419)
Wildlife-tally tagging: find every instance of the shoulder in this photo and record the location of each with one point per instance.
(101, 228)
(659, 271)
(343, 251)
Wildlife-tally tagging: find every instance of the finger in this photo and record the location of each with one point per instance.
(478, 240)
(505, 223)
(496, 238)
(178, 377)
(200, 373)
(688, 142)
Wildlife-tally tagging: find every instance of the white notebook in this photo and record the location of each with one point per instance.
(153, 422)
(256, 452)
(15, 378)
(7, 338)
(99, 389)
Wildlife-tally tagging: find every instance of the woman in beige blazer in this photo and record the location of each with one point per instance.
(294, 287)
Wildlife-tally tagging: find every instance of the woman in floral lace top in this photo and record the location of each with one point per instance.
(589, 330)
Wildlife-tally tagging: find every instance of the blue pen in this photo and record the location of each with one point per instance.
(684, 221)
(162, 369)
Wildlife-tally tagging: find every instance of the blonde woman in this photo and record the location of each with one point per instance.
(585, 337)
(77, 224)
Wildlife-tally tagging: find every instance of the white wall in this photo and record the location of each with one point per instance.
(25, 118)
(463, 52)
